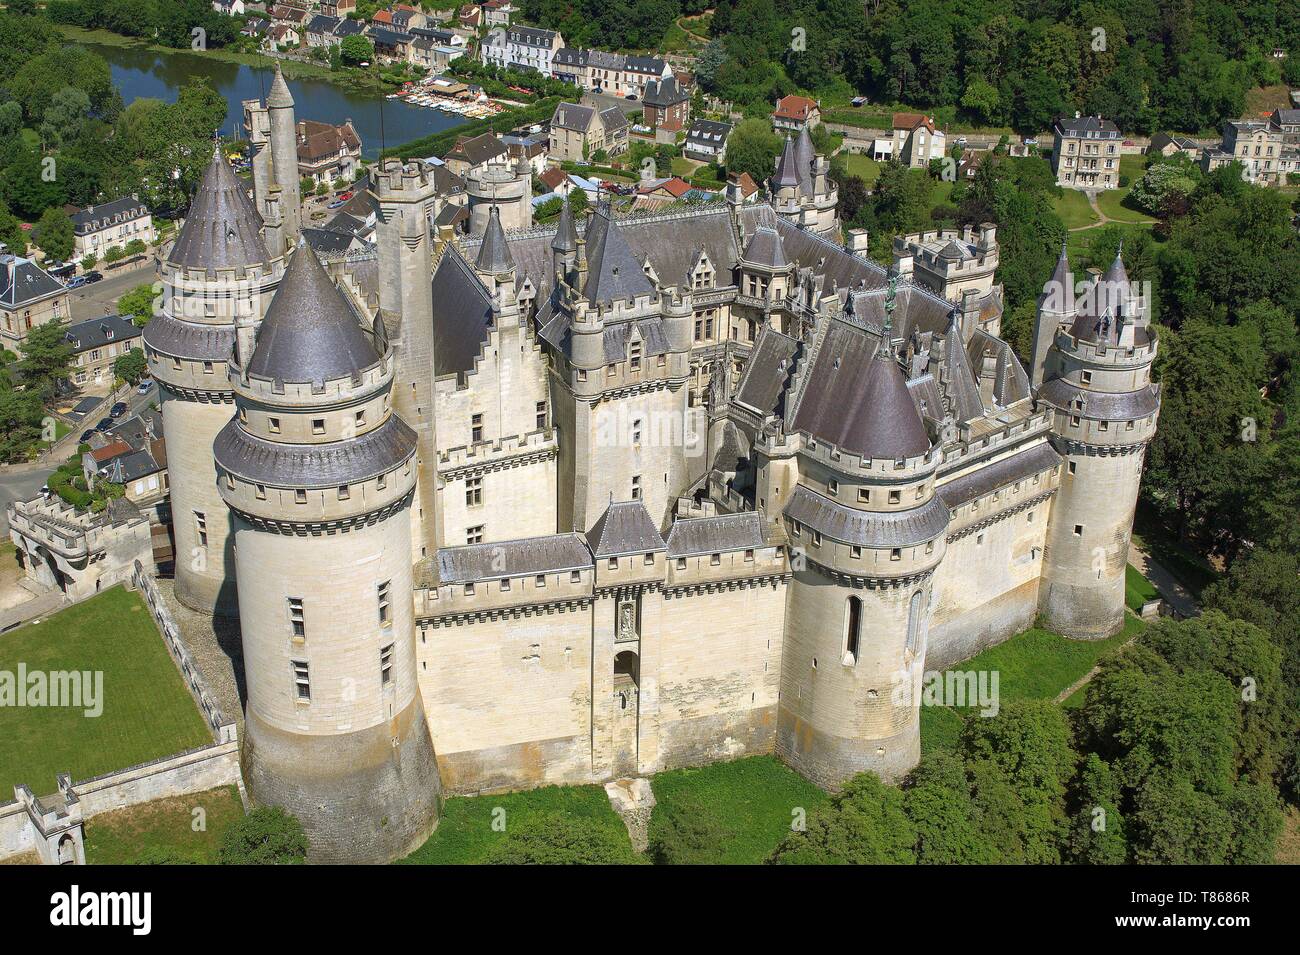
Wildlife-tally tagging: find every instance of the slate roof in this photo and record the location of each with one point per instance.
(556, 553)
(494, 254)
(310, 333)
(190, 340)
(765, 249)
(664, 93)
(706, 132)
(987, 478)
(1101, 405)
(573, 116)
(787, 167)
(625, 528)
(767, 374)
(877, 529)
(222, 230)
(710, 535)
(462, 314)
(613, 272)
(98, 332)
(361, 458)
(93, 218)
(477, 150)
(1088, 127)
(23, 281)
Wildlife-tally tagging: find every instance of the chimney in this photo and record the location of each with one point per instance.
(858, 241)
(970, 313)
(988, 237)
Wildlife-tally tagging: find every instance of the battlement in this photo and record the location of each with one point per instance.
(399, 180)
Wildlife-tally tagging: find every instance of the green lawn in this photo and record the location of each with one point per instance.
(1074, 210)
(1111, 201)
(1137, 589)
(125, 836)
(465, 835)
(147, 711)
(753, 800)
(1034, 665)
(862, 166)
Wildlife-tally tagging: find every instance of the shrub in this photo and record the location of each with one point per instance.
(266, 836)
(686, 833)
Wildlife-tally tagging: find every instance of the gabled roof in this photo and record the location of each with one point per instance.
(310, 333)
(910, 121)
(664, 93)
(477, 150)
(794, 107)
(625, 528)
(93, 218)
(1088, 127)
(706, 132)
(222, 230)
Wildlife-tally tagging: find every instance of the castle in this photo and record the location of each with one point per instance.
(576, 502)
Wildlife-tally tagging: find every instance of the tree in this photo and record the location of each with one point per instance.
(1097, 835)
(938, 802)
(356, 49)
(561, 840)
(752, 147)
(64, 115)
(54, 233)
(21, 414)
(684, 832)
(864, 825)
(266, 836)
(131, 367)
(140, 303)
(46, 357)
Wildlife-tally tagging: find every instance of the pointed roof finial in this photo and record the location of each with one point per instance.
(566, 236)
(279, 97)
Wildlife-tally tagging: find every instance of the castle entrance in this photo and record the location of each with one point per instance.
(627, 693)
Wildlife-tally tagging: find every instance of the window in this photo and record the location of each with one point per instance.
(302, 680)
(386, 665)
(1078, 530)
(636, 487)
(634, 356)
(299, 496)
(896, 554)
(261, 492)
(473, 491)
(575, 576)
(864, 495)
(344, 492)
(715, 560)
(582, 374)
(817, 538)
(895, 497)
(475, 428)
(360, 419)
(853, 626)
(385, 608)
(1086, 377)
(474, 535)
(201, 525)
(610, 370)
(539, 581)
(273, 425)
(469, 590)
(833, 486)
(317, 425)
(505, 585)
(1072, 467)
(749, 555)
(296, 619)
(541, 415)
(855, 552)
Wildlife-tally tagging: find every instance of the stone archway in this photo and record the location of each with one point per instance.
(67, 850)
(627, 695)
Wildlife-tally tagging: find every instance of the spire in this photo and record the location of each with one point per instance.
(494, 254)
(221, 229)
(787, 168)
(805, 154)
(1117, 273)
(310, 333)
(279, 96)
(566, 236)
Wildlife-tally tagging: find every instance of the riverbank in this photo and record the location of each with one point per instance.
(355, 81)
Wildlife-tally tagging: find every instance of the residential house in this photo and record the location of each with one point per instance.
(327, 152)
(570, 65)
(970, 162)
(667, 108)
(522, 48)
(231, 8)
(1166, 144)
(255, 27)
(407, 18)
(795, 112)
(283, 36)
(914, 141)
(133, 453)
(1085, 152)
(96, 344)
(29, 296)
(473, 152)
(1260, 145)
(499, 13)
(531, 149)
(337, 8)
(706, 141)
(391, 45)
(295, 16)
(96, 228)
(470, 16)
(320, 32)
(578, 132)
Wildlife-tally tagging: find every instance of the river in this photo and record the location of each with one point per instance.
(139, 72)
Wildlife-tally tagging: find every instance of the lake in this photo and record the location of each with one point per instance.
(138, 72)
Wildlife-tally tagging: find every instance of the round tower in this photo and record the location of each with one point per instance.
(866, 533)
(508, 188)
(216, 276)
(1098, 382)
(284, 157)
(318, 471)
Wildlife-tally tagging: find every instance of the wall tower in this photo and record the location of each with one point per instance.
(284, 157)
(319, 473)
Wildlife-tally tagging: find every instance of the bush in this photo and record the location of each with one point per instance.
(563, 841)
(686, 833)
(266, 836)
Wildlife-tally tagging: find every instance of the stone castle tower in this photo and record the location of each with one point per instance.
(273, 137)
(319, 474)
(1093, 354)
(217, 275)
(801, 188)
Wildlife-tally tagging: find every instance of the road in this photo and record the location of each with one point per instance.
(100, 299)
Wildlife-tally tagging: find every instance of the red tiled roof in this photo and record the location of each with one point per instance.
(794, 107)
(109, 451)
(913, 120)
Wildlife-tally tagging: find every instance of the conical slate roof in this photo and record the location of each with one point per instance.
(566, 236)
(805, 154)
(884, 422)
(787, 168)
(1060, 275)
(765, 248)
(279, 95)
(613, 273)
(494, 256)
(952, 252)
(222, 229)
(310, 332)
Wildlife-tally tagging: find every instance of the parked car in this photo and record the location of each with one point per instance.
(117, 410)
(631, 96)
(144, 387)
(104, 424)
(92, 276)
(335, 204)
(961, 140)
(1031, 141)
(78, 282)
(345, 195)
(85, 436)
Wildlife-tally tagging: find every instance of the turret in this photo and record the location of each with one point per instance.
(217, 279)
(1098, 383)
(404, 194)
(1056, 311)
(867, 532)
(284, 156)
(564, 246)
(319, 473)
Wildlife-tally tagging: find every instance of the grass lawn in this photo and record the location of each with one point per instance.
(1078, 245)
(1111, 200)
(147, 711)
(1074, 210)
(123, 836)
(465, 835)
(1034, 665)
(1137, 589)
(752, 799)
(862, 166)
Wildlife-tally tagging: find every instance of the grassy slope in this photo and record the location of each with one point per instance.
(465, 835)
(1137, 589)
(147, 711)
(753, 799)
(864, 167)
(1074, 210)
(123, 836)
